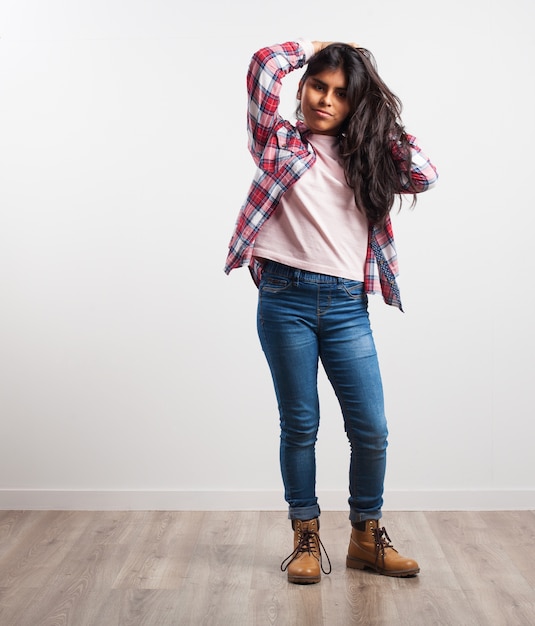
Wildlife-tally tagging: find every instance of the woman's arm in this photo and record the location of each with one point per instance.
(422, 175)
(264, 81)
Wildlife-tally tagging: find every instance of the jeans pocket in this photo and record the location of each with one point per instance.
(354, 289)
(274, 284)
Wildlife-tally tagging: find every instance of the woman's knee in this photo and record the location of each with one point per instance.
(299, 433)
(373, 436)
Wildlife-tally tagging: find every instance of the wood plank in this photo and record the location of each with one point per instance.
(41, 546)
(157, 568)
(218, 579)
(160, 551)
(495, 588)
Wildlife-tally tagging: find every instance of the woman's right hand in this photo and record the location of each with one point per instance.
(319, 45)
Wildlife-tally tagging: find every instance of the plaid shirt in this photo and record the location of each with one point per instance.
(282, 155)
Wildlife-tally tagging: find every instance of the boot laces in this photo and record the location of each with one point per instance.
(382, 542)
(308, 542)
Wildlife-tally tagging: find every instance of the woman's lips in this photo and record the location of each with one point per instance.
(322, 113)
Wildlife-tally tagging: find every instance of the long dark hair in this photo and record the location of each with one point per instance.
(366, 137)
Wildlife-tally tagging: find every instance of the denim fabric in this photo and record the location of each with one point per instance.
(303, 318)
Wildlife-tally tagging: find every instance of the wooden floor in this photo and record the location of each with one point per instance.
(209, 568)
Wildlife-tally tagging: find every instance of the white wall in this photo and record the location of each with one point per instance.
(130, 371)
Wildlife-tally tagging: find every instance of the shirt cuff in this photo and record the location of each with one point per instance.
(308, 47)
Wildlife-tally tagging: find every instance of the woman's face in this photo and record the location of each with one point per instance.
(324, 102)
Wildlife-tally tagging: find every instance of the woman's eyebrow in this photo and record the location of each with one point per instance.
(320, 82)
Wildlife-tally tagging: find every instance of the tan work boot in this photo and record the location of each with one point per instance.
(371, 548)
(305, 564)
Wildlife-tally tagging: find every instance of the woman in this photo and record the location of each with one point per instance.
(316, 234)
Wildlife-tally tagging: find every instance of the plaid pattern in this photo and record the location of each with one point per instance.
(282, 155)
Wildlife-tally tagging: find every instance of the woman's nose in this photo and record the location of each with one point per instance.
(326, 98)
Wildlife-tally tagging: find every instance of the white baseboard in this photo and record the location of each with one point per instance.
(486, 500)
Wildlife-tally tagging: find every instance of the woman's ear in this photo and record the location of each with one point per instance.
(299, 90)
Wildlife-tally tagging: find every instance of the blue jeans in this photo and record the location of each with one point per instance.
(303, 318)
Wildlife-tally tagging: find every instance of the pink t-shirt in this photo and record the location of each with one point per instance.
(317, 226)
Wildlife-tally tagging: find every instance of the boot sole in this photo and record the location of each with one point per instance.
(304, 580)
(353, 563)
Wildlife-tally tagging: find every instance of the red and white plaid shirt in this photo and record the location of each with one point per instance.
(282, 155)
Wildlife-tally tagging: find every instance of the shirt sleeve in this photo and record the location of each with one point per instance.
(264, 81)
(422, 175)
